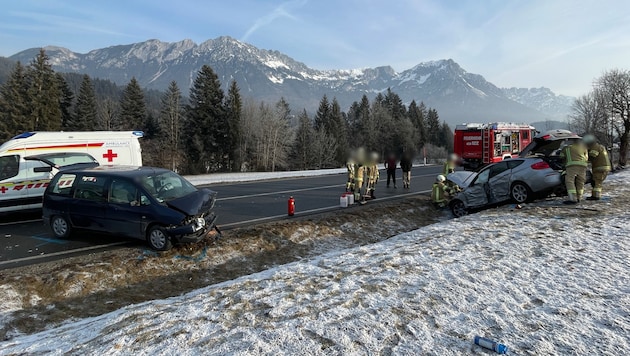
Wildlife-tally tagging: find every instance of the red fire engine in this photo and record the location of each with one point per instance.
(480, 144)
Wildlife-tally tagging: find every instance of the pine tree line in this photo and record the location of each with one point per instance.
(214, 130)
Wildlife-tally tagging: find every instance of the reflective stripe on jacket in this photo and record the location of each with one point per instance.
(575, 154)
(438, 192)
(598, 156)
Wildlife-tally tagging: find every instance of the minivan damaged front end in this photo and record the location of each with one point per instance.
(200, 220)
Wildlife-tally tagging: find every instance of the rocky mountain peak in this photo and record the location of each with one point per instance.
(269, 75)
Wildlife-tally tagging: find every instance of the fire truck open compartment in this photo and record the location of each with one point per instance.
(481, 144)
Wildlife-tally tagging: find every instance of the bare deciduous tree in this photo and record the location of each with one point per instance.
(588, 115)
(614, 86)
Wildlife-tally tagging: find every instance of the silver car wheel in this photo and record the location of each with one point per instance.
(458, 209)
(158, 239)
(60, 227)
(520, 193)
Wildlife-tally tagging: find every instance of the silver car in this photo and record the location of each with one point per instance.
(517, 179)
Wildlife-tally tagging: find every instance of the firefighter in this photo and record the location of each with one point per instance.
(441, 192)
(450, 164)
(372, 175)
(351, 166)
(575, 158)
(359, 173)
(600, 165)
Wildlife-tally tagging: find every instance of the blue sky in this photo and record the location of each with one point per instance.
(560, 44)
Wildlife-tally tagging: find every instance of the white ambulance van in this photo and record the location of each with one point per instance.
(28, 161)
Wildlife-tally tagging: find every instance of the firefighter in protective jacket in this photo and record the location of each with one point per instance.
(372, 175)
(441, 192)
(575, 157)
(450, 164)
(351, 166)
(600, 165)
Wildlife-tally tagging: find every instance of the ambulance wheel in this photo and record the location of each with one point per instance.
(520, 192)
(458, 208)
(158, 239)
(60, 227)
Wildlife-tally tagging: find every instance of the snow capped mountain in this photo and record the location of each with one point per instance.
(542, 99)
(268, 75)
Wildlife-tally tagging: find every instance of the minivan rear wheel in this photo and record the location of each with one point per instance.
(158, 239)
(60, 227)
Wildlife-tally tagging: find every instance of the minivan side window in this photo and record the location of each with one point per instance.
(63, 185)
(123, 192)
(90, 188)
(9, 166)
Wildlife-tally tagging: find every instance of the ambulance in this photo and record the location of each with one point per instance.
(29, 160)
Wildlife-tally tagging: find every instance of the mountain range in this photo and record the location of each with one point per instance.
(268, 75)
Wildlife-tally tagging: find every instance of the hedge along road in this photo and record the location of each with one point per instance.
(25, 240)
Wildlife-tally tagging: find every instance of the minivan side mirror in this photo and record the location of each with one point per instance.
(42, 169)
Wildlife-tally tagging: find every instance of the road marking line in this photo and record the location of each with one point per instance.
(60, 253)
(297, 190)
(280, 192)
(19, 222)
(306, 212)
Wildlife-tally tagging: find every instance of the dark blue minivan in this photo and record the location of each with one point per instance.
(152, 204)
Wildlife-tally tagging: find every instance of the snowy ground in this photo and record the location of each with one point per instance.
(545, 280)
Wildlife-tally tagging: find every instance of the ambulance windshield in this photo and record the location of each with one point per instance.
(9, 166)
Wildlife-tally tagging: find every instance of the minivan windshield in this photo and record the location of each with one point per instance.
(167, 186)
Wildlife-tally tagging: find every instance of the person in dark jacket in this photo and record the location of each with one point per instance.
(405, 166)
(390, 165)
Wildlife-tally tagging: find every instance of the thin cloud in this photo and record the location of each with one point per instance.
(56, 22)
(279, 12)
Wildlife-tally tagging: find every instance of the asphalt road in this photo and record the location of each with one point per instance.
(25, 240)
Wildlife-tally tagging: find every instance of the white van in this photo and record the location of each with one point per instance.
(28, 161)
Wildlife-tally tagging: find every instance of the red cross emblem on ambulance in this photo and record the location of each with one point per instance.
(110, 155)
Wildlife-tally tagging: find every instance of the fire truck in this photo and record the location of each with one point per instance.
(481, 144)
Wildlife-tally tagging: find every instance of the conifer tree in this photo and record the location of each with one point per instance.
(322, 117)
(234, 112)
(302, 153)
(66, 101)
(433, 127)
(171, 124)
(133, 112)
(206, 126)
(44, 95)
(85, 113)
(417, 116)
(339, 130)
(14, 106)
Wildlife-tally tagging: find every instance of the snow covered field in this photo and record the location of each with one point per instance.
(544, 280)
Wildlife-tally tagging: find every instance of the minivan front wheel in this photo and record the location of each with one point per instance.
(158, 239)
(60, 227)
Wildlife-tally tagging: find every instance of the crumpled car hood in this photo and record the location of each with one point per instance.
(461, 178)
(195, 203)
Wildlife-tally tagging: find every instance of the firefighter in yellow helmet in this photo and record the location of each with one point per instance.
(575, 158)
(441, 192)
(600, 165)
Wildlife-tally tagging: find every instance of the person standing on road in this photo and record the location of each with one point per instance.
(390, 165)
(405, 166)
(351, 166)
(575, 158)
(372, 175)
(450, 164)
(600, 165)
